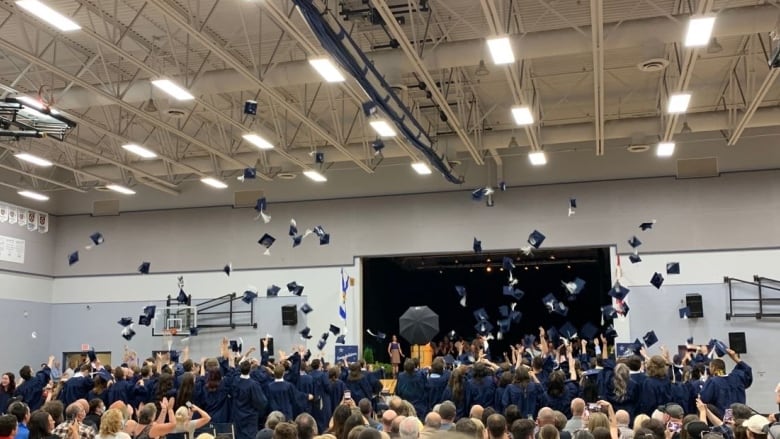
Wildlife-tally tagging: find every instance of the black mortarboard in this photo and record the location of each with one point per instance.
(228, 268)
(609, 312)
(325, 239)
(672, 268)
(610, 332)
(572, 206)
(561, 309)
(378, 146)
(483, 327)
(236, 346)
(377, 335)
(634, 242)
(689, 340)
(266, 241)
(73, 258)
(128, 333)
(513, 292)
(477, 245)
(550, 302)
(183, 298)
(319, 157)
(249, 174)
(636, 346)
(341, 339)
(503, 310)
(144, 267)
(91, 354)
(647, 225)
(480, 314)
(650, 338)
(325, 336)
(125, 321)
(294, 288)
(623, 308)
(618, 291)
(568, 331)
(502, 186)
(503, 326)
(461, 290)
(306, 308)
(272, 291)
(321, 344)
(536, 238)
(194, 331)
(335, 329)
(479, 194)
(508, 263)
(720, 348)
(574, 287)
(249, 296)
(261, 204)
(684, 312)
(97, 238)
(305, 333)
(515, 316)
(296, 240)
(144, 320)
(250, 107)
(293, 228)
(588, 331)
(657, 280)
(634, 258)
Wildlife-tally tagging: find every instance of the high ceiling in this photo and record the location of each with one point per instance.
(596, 74)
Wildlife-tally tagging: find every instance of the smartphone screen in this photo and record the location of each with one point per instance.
(594, 408)
(347, 394)
(674, 427)
(728, 416)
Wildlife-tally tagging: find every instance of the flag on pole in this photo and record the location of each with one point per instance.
(344, 288)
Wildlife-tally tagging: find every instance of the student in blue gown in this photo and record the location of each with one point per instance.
(436, 383)
(456, 391)
(211, 393)
(77, 386)
(503, 380)
(618, 388)
(559, 390)
(31, 390)
(336, 387)
(481, 388)
(525, 393)
(99, 390)
(247, 402)
(322, 408)
(283, 396)
(357, 383)
(411, 387)
(656, 390)
(122, 388)
(7, 388)
(722, 389)
(636, 372)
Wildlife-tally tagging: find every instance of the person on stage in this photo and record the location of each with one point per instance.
(394, 350)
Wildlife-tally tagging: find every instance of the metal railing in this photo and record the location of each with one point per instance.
(763, 285)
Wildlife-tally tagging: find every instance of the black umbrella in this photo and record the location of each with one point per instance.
(419, 325)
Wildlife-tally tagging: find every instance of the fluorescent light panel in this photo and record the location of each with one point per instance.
(522, 115)
(33, 195)
(537, 158)
(120, 189)
(699, 31)
(173, 89)
(139, 151)
(421, 168)
(35, 104)
(327, 69)
(258, 141)
(34, 159)
(315, 176)
(665, 149)
(213, 182)
(678, 103)
(48, 15)
(383, 128)
(501, 50)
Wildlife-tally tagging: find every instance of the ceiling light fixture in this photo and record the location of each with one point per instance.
(258, 141)
(120, 189)
(501, 50)
(326, 69)
(522, 115)
(48, 15)
(482, 69)
(173, 89)
(699, 31)
(383, 128)
(665, 149)
(678, 103)
(315, 176)
(537, 158)
(34, 159)
(139, 151)
(213, 182)
(421, 168)
(33, 195)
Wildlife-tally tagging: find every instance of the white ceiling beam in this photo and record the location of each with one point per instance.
(769, 80)
(597, 40)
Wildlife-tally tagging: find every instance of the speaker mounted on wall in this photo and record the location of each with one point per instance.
(695, 306)
(737, 342)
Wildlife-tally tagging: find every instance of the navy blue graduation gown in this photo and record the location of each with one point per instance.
(411, 387)
(360, 388)
(528, 399)
(654, 392)
(481, 391)
(461, 410)
(283, 396)
(5, 397)
(31, 391)
(119, 391)
(722, 391)
(562, 402)
(214, 402)
(322, 408)
(247, 402)
(336, 389)
(434, 388)
(76, 388)
(103, 396)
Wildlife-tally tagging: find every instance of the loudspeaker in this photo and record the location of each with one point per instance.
(694, 304)
(737, 342)
(289, 315)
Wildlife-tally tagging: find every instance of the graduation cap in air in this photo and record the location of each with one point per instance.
(609, 312)
(144, 267)
(589, 331)
(228, 268)
(623, 308)
(657, 280)
(306, 308)
(125, 321)
(150, 310)
(128, 332)
(249, 295)
(568, 331)
(325, 239)
(477, 245)
(515, 316)
(480, 314)
(512, 292)
(96, 238)
(293, 228)
(574, 287)
(554, 305)
(248, 174)
(194, 331)
(552, 334)
(503, 328)
(504, 310)
(260, 207)
(182, 298)
(325, 336)
(634, 258)
(266, 241)
(334, 329)
(236, 345)
(684, 312)
(618, 291)
(91, 355)
(296, 240)
(572, 206)
(483, 327)
(73, 258)
(461, 290)
(536, 238)
(720, 348)
(689, 340)
(305, 333)
(480, 193)
(634, 242)
(610, 332)
(650, 338)
(250, 107)
(647, 225)
(105, 375)
(508, 263)
(672, 268)
(145, 319)
(377, 335)
(321, 344)
(341, 339)
(294, 288)
(272, 291)
(636, 346)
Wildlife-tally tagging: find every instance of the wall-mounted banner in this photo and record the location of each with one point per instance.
(24, 217)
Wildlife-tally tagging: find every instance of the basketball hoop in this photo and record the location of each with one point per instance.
(45, 96)
(168, 335)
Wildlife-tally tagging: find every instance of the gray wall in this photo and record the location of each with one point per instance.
(20, 319)
(39, 248)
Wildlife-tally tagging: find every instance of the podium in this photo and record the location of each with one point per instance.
(423, 353)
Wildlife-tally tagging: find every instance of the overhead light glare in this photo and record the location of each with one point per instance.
(258, 141)
(665, 149)
(699, 31)
(678, 103)
(326, 69)
(120, 189)
(213, 182)
(522, 115)
(33, 195)
(383, 128)
(501, 50)
(421, 168)
(139, 151)
(537, 158)
(315, 176)
(48, 15)
(34, 159)
(173, 89)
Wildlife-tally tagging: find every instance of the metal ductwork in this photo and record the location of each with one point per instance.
(554, 135)
(562, 42)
